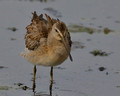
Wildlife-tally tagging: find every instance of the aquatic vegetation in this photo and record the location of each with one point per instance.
(5, 87)
(77, 44)
(90, 30)
(9, 87)
(19, 84)
(99, 53)
(118, 86)
(80, 28)
(12, 29)
(22, 86)
(107, 30)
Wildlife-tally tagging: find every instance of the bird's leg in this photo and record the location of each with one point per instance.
(34, 74)
(51, 74)
(50, 88)
(51, 84)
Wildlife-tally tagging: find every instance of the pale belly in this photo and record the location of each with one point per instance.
(52, 58)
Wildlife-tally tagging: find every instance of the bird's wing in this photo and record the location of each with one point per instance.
(35, 32)
(50, 21)
(38, 30)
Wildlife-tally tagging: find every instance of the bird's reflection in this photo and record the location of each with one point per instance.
(42, 94)
(34, 86)
(50, 88)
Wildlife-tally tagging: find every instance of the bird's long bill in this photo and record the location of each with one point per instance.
(68, 52)
(67, 49)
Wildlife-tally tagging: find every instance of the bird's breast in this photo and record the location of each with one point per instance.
(55, 56)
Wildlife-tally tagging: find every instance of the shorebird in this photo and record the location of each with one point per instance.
(47, 41)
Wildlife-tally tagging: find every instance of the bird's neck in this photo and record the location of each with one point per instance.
(52, 41)
(56, 46)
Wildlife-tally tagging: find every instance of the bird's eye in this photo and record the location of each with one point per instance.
(56, 30)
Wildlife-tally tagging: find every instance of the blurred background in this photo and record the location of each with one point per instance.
(95, 31)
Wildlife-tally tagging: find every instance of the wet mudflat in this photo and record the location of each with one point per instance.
(95, 32)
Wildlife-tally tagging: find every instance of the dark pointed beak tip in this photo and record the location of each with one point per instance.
(71, 58)
(66, 48)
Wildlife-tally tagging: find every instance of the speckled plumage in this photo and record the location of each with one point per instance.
(44, 45)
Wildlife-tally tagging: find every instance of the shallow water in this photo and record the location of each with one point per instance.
(83, 76)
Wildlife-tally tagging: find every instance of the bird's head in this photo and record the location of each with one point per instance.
(60, 33)
(59, 30)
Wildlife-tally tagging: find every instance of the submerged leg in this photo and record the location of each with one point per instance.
(51, 84)
(51, 74)
(50, 88)
(34, 74)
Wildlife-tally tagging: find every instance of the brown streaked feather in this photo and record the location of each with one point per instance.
(40, 28)
(47, 41)
(50, 21)
(35, 31)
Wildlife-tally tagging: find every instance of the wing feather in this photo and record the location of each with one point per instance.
(38, 30)
(35, 31)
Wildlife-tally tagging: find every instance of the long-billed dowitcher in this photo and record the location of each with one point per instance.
(47, 41)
